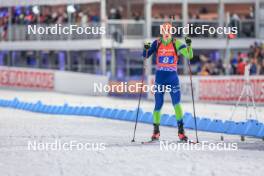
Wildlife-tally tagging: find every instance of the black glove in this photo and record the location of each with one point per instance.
(147, 45)
(188, 41)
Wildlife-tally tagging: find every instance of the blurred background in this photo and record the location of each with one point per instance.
(128, 23)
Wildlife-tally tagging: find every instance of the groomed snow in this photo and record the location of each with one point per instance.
(119, 158)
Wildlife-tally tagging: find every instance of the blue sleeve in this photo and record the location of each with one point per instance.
(151, 50)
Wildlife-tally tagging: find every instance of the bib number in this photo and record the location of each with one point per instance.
(166, 59)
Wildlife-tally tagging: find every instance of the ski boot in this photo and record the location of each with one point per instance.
(181, 133)
(156, 133)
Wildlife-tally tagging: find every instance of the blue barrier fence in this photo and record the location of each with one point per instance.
(246, 128)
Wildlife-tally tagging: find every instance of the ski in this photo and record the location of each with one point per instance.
(150, 142)
(187, 141)
(158, 141)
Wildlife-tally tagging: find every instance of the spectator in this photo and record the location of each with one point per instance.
(241, 67)
(203, 10)
(235, 22)
(220, 67)
(83, 18)
(261, 71)
(253, 67)
(136, 16)
(233, 63)
(94, 17)
(205, 70)
(115, 14)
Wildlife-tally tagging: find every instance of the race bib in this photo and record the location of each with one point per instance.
(166, 59)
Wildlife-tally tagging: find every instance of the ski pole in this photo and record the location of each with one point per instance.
(140, 95)
(194, 114)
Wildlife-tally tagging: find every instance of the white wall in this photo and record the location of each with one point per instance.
(50, 80)
(78, 83)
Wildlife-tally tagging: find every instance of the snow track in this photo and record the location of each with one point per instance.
(119, 157)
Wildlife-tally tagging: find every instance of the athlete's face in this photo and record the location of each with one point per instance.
(166, 36)
(166, 33)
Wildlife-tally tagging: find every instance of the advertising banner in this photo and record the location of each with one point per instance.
(229, 89)
(26, 78)
(218, 89)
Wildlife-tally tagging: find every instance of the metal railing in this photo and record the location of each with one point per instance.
(129, 29)
(22, 32)
(247, 29)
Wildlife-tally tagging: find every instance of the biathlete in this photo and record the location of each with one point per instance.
(166, 49)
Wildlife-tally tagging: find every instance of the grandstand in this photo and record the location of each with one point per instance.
(135, 21)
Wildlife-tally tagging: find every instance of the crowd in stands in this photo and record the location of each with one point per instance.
(47, 15)
(209, 67)
(83, 14)
(59, 14)
(254, 57)
(86, 13)
(52, 14)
